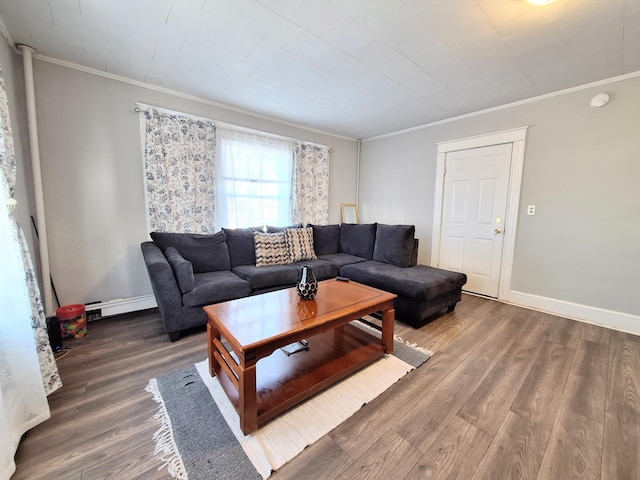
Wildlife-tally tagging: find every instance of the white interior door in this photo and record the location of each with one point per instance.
(474, 204)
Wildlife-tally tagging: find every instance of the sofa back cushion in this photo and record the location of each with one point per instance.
(394, 244)
(242, 248)
(326, 239)
(358, 239)
(207, 253)
(272, 229)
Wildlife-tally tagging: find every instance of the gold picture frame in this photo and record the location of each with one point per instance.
(349, 213)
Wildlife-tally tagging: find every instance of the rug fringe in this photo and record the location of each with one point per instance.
(413, 345)
(166, 447)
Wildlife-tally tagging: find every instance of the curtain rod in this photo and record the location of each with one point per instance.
(140, 107)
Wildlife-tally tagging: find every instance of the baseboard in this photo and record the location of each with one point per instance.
(122, 305)
(624, 322)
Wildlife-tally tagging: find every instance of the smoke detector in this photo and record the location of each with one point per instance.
(599, 100)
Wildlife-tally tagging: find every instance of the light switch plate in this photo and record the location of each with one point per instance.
(531, 210)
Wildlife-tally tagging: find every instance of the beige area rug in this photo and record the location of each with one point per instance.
(194, 445)
(286, 436)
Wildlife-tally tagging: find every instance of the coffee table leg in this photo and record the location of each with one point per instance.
(388, 318)
(211, 333)
(248, 408)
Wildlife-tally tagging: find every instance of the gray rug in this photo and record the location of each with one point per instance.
(206, 446)
(205, 443)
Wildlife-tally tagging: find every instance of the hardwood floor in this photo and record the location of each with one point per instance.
(509, 393)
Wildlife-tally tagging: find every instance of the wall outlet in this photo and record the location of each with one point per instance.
(531, 210)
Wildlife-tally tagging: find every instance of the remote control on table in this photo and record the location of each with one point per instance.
(342, 279)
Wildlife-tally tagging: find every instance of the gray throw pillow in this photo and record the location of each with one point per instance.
(394, 244)
(358, 239)
(182, 269)
(207, 253)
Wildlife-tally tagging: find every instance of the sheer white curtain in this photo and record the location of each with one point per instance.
(253, 179)
(310, 189)
(179, 172)
(23, 401)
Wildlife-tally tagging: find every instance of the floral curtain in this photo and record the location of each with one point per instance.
(7, 156)
(179, 159)
(310, 186)
(27, 367)
(49, 369)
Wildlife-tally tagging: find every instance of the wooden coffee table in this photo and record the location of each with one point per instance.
(244, 337)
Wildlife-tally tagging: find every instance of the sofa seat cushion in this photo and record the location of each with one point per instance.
(341, 259)
(214, 287)
(321, 269)
(419, 282)
(267, 276)
(207, 253)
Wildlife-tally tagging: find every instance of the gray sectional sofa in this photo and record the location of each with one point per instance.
(189, 271)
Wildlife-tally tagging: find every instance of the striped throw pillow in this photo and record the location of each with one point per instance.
(271, 249)
(300, 244)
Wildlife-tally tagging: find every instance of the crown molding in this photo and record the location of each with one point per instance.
(538, 98)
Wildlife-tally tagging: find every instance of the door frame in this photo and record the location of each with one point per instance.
(516, 137)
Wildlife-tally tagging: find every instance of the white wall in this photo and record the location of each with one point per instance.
(581, 170)
(90, 149)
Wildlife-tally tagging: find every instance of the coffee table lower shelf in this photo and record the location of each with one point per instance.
(283, 381)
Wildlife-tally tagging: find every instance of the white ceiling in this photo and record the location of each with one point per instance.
(359, 68)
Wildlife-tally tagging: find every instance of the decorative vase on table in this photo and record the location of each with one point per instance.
(307, 286)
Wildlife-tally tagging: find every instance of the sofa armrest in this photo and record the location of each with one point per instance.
(165, 287)
(182, 269)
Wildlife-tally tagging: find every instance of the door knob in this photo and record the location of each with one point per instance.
(498, 230)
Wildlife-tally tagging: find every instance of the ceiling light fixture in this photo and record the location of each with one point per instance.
(540, 2)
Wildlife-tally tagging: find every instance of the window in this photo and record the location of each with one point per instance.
(201, 177)
(253, 181)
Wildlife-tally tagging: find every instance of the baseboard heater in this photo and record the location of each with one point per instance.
(118, 306)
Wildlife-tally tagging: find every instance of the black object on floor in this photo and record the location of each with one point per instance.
(55, 336)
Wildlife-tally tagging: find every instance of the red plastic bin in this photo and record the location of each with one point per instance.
(73, 320)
